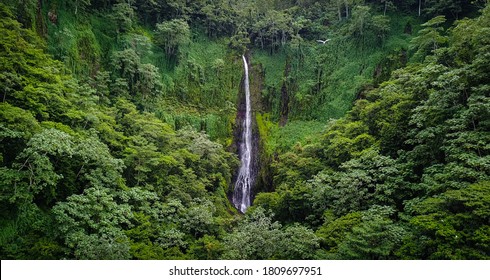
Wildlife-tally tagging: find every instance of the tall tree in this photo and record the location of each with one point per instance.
(430, 38)
(172, 35)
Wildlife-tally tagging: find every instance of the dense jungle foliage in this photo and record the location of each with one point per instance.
(118, 123)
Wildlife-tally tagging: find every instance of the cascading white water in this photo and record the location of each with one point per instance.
(242, 192)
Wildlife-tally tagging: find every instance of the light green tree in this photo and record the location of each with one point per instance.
(172, 36)
(124, 16)
(376, 237)
(430, 38)
(91, 225)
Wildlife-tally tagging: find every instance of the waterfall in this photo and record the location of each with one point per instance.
(242, 192)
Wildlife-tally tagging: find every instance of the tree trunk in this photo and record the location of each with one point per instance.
(420, 6)
(41, 31)
(285, 95)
